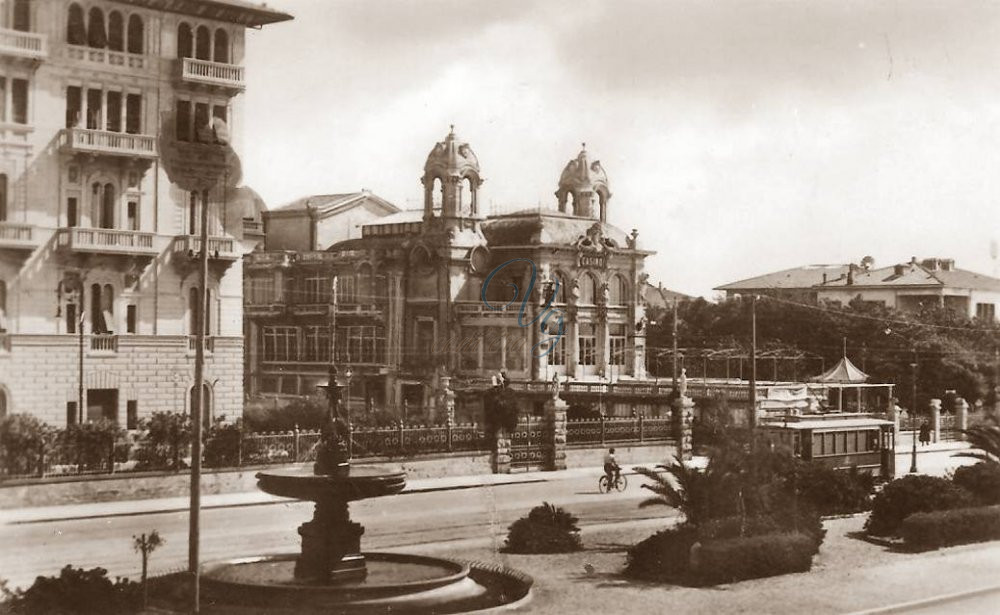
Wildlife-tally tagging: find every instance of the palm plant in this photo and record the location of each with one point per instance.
(678, 485)
(985, 441)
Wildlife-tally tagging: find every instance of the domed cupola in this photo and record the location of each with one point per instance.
(451, 179)
(587, 184)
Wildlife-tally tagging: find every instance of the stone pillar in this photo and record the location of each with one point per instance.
(893, 414)
(448, 399)
(935, 420)
(555, 422)
(501, 452)
(683, 418)
(961, 416)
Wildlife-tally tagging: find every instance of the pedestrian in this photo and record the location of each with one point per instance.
(925, 433)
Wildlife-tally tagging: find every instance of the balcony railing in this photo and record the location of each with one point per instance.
(106, 241)
(222, 248)
(213, 73)
(117, 59)
(253, 227)
(16, 235)
(23, 44)
(90, 141)
(104, 343)
(193, 343)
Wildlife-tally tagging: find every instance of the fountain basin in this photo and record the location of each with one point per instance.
(360, 482)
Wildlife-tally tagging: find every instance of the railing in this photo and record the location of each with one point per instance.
(104, 343)
(12, 234)
(218, 247)
(106, 240)
(23, 44)
(93, 141)
(253, 227)
(213, 73)
(118, 59)
(619, 430)
(193, 343)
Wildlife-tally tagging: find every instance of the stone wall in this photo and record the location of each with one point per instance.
(626, 454)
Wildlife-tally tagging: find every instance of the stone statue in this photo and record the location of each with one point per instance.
(331, 452)
(682, 383)
(555, 386)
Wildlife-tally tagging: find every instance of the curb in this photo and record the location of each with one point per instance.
(904, 607)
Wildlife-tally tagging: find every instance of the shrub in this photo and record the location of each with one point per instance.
(76, 590)
(546, 529)
(734, 559)
(834, 492)
(801, 520)
(222, 445)
(912, 494)
(981, 480)
(664, 556)
(933, 530)
(166, 438)
(23, 437)
(500, 410)
(91, 446)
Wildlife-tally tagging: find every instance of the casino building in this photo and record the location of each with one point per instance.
(413, 322)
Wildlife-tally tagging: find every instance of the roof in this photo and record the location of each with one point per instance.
(915, 274)
(548, 227)
(803, 277)
(844, 372)
(329, 204)
(400, 217)
(659, 297)
(249, 14)
(820, 424)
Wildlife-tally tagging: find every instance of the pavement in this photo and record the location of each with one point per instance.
(97, 510)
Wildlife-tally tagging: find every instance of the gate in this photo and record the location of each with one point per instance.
(531, 446)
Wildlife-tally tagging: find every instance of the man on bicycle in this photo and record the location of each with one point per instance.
(611, 468)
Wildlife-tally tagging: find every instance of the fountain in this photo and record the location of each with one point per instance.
(331, 574)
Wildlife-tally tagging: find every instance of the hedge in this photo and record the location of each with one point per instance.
(943, 528)
(664, 556)
(735, 559)
(546, 529)
(914, 493)
(981, 480)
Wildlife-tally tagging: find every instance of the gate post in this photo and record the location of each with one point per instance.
(935, 421)
(683, 418)
(555, 428)
(501, 452)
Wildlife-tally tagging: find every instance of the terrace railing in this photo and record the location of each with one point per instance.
(615, 430)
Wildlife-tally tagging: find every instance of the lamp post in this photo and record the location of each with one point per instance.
(913, 414)
(347, 402)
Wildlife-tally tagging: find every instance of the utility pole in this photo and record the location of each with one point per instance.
(753, 362)
(197, 403)
(79, 327)
(913, 415)
(673, 337)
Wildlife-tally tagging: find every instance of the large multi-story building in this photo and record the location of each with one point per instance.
(411, 318)
(98, 281)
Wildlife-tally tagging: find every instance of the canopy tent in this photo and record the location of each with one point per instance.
(844, 372)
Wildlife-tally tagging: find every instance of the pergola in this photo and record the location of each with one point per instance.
(846, 375)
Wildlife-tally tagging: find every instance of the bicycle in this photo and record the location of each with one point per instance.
(603, 484)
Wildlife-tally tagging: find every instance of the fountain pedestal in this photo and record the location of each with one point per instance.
(331, 545)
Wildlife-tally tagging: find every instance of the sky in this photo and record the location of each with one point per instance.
(739, 136)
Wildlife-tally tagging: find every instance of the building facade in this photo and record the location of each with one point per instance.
(435, 303)
(98, 247)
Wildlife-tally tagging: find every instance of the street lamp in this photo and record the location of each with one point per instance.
(348, 375)
(913, 414)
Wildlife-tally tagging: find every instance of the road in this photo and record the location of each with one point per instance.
(436, 519)
(429, 522)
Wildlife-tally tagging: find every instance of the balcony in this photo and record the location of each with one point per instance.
(107, 57)
(104, 343)
(107, 143)
(205, 72)
(26, 45)
(17, 236)
(106, 241)
(219, 248)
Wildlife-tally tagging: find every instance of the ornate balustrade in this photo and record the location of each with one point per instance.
(618, 430)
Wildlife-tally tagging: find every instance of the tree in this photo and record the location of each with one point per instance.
(146, 545)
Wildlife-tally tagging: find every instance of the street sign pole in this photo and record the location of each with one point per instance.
(197, 410)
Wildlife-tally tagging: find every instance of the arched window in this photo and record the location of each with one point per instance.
(617, 293)
(221, 46)
(76, 27)
(101, 302)
(346, 289)
(365, 286)
(203, 44)
(437, 193)
(108, 207)
(116, 31)
(588, 289)
(465, 197)
(185, 41)
(96, 34)
(3, 197)
(108, 308)
(22, 15)
(136, 35)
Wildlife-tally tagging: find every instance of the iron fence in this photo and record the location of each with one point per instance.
(613, 430)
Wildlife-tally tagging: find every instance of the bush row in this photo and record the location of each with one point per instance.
(944, 528)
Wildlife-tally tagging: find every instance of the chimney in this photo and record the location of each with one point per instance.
(898, 270)
(948, 264)
(850, 274)
(824, 278)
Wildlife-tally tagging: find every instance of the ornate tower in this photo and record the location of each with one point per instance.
(587, 184)
(451, 180)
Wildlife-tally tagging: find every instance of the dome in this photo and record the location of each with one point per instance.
(586, 184)
(580, 174)
(451, 158)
